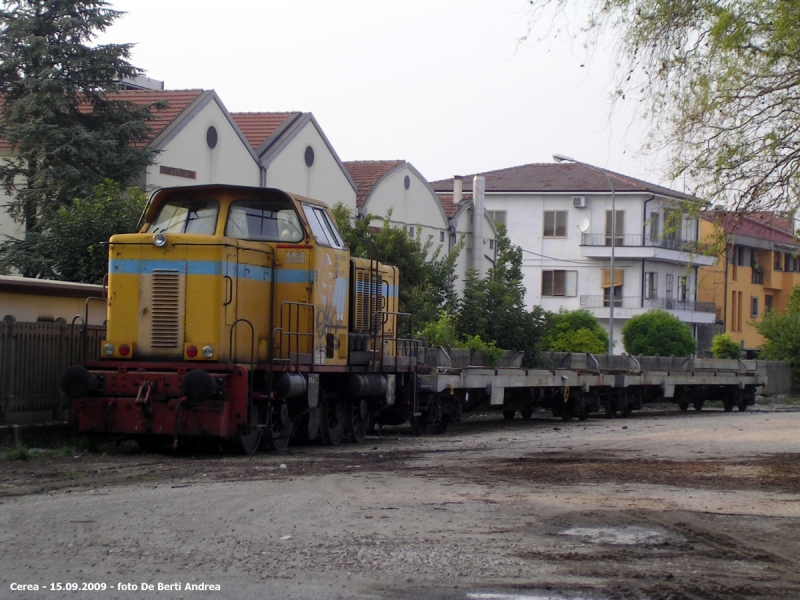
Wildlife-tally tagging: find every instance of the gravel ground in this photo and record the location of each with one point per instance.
(663, 505)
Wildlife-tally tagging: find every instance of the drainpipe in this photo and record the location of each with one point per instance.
(478, 198)
(644, 219)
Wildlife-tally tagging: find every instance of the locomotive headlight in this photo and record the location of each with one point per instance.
(159, 240)
(108, 349)
(208, 351)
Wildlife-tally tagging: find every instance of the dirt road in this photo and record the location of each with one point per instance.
(663, 505)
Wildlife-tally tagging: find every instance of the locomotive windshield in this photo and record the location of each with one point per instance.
(261, 220)
(186, 216)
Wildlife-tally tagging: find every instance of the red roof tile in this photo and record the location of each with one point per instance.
(754, 225)
(366, 173)
(558, 177)
(449, 206)
(257, 127)
(177, 101)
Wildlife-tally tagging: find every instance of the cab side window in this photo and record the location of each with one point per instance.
(322, 227)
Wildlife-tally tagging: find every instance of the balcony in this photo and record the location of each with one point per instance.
(598, 245)
(629, 306)
(757, 276)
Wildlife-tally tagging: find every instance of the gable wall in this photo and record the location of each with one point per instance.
(229, 162)
(324, 180)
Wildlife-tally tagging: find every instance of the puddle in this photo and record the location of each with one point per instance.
(619, 536)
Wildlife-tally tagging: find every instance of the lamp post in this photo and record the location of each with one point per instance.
(562, 158)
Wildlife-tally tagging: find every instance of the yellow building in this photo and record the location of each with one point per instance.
(754, 274)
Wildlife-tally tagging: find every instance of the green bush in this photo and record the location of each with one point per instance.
(576, 331)
(723, 346)
(781, 333)
(658, 333)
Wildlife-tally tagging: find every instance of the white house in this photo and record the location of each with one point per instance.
(560, 215)
(396, 186)
(294, 155)
(200, 142)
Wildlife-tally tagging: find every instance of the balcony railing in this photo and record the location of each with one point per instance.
(639, 302)
(634, 240)
(757, 276)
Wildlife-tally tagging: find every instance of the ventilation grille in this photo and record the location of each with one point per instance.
(165, 309)
(368, 300)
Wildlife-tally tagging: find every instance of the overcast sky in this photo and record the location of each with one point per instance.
(443, 84)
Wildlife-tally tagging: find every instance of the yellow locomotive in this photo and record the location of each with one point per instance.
(238, 314)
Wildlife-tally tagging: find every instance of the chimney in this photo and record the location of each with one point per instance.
(478, 198)
(458, 189)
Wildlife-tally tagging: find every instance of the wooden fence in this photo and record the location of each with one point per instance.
(33, 356)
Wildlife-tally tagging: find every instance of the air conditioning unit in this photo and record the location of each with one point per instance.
(579, 201)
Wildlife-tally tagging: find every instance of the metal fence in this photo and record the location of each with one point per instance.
(33, 356)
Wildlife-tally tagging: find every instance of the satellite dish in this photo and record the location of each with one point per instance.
(584, 225)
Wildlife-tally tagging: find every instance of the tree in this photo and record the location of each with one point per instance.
(66, 132)
(576, 331)
(717, 81)
(781, 332)
(493, 308)
(658, 333)
(426, 277)
(73, 245)
(723, 346)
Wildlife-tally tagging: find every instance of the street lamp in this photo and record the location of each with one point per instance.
(562, 158)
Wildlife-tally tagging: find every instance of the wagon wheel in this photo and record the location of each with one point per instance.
(684, 406)
(359, 422)
(727, 405)
(611, 411)
(279, 428)
(526, 414)
(508, 415)
(742, 407)
(332, 421)
(698, 405)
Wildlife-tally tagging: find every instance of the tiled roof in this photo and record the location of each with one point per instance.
(753, 225)
(177, 101)
(366, 173)
(449, 206)
(257, 127)
(558, 177)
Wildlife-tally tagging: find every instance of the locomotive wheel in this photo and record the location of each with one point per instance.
(359, 422)
(684, 406)
(508, 415)
(279, 428)
(308, 426)
(526, 414)
(566, 416)
(332, 421)
(247, 442)
(698, 405)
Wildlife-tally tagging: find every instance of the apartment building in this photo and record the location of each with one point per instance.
(562, 216)
(759, 265)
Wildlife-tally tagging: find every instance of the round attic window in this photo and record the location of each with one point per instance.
(211, 137)
(309, 156)
(407, 182)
